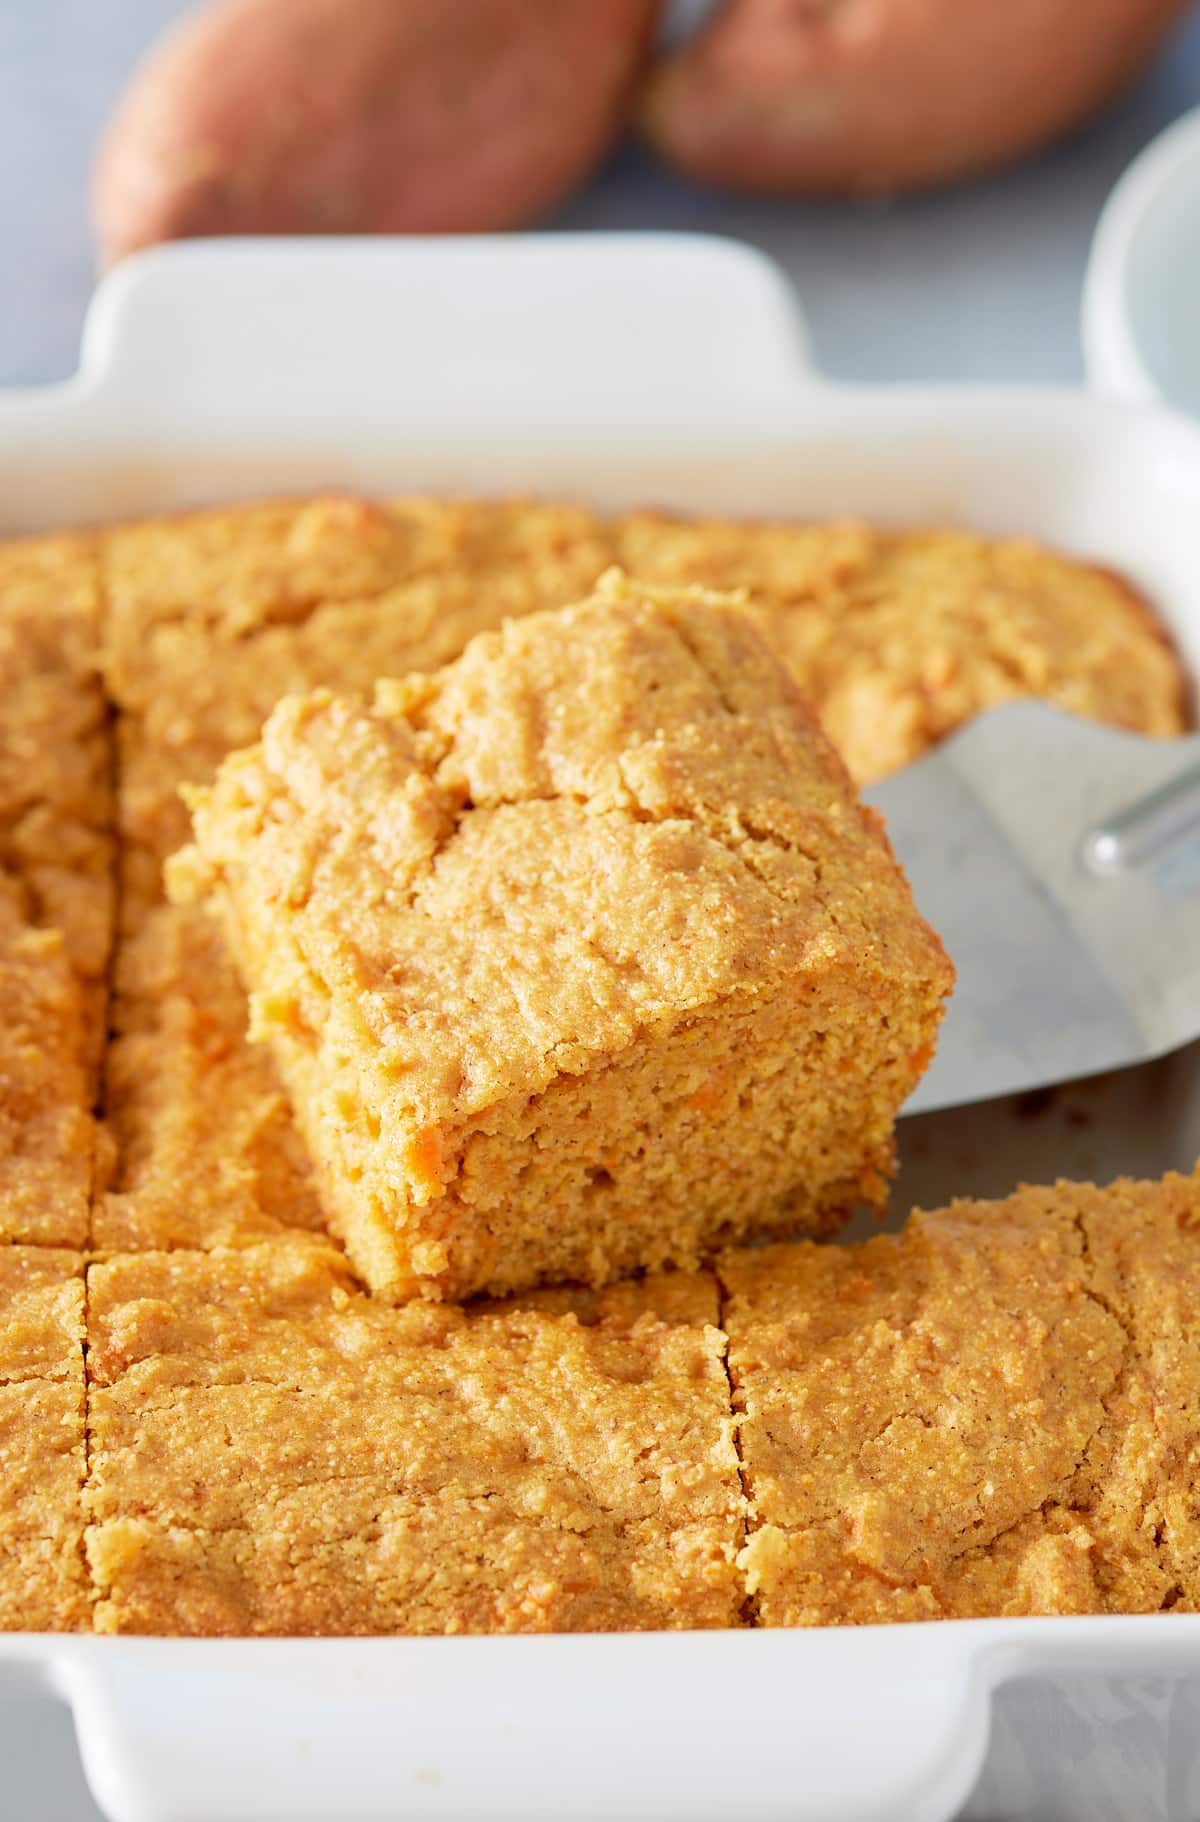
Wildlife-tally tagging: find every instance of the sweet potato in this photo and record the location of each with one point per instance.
(362, 116)
(835, 96)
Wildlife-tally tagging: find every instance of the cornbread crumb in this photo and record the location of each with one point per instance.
(995, 1412)
(273, 1452)
(43, 1586)
(56, 887)
(576, 956)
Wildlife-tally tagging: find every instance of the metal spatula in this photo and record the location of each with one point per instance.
(1059, 862)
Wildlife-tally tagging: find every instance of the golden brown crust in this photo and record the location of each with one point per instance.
(289, 595)
(602, 869)
(992, 1413)
(996, 1412)
(900, 637)
(274, 1452)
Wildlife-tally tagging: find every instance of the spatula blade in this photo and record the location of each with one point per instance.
(1065, 968)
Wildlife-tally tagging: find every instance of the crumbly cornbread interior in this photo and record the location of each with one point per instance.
(168, 1303)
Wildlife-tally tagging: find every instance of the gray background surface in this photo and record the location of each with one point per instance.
(979, 283)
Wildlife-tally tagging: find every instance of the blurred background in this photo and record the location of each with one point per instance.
(976, 281)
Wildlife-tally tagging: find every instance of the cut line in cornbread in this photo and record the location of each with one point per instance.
(578, 956)
(206, 1150)
(56, 887)
(274, 1452)
(995, 1412)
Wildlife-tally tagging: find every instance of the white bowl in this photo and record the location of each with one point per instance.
(1141, 298)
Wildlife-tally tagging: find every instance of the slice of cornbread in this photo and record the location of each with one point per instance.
(578, 955)
(273, 1452)
(43, 1584)
(56, 887)
(995, 1412)
(899, 637)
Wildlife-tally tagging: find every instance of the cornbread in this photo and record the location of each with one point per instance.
(576, 955)
(993, 1413)
(212, 618)
(273, 1452)
(997, 1412)
(43, 1585)
(56, 864)
(900, 637)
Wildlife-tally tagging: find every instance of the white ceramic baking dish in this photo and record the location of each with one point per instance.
(621, 370)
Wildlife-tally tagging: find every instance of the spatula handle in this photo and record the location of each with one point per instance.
(1146, 828)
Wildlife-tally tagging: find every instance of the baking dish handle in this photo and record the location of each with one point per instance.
(852, 1725)
(807, 1727)
(288, 332)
